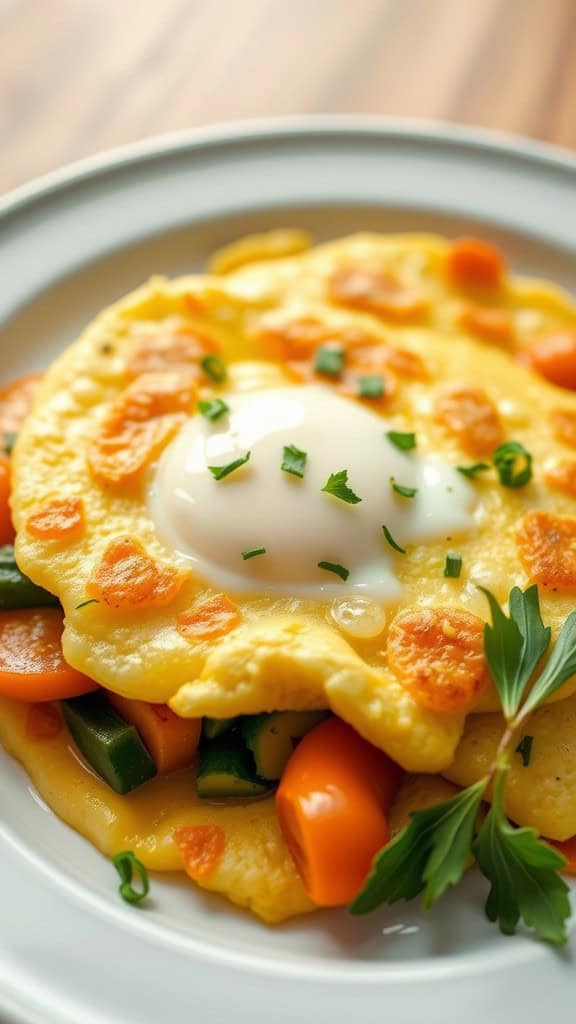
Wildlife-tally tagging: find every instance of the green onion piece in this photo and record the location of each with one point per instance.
(337, 485)
(371, 386)
(334, 567)
(329, 360)
(293, 460)
(215, 368)
(406, 492)
(453, 566)
(213, 409)
(219, 472)
(513, 464)
(391, 541)
(472, 471)
(126, 863)
(252, 552)
(84, 604)
(9, 442)
(405, 442)
(524, 748)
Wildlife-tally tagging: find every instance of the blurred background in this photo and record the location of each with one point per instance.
(79, 76)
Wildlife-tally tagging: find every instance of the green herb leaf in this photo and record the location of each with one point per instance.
(334, 567)
(431, 853)
(405, 442)
(472, 471)
(84, 604)
(252, 553)
(524, 748)
(330, 360)
(9, 441)
(219, 472)
(523, 872)
(513, 463)
(503, 646)
(560, 666)
(126, 863)
(294, 460)
(215, 368)
(453, 566)
(525, 611)
(393, 544)
(213, 409)
(406, 492)
(337, 485)
(371, 386)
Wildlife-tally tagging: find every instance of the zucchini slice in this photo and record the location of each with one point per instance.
(226, 770)
(272, 738)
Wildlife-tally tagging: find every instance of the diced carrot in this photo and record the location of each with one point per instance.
(172, 741)
(472, 263)
(554, 358)
(16, 400)
(59, 519)
(438, 655)
(471, 417)
(561, 476)
(43, 722)
(568, 850)
(127, 577)
(332, 804)
(201, 847)
(169, 351)
(378, 291)
(563, 424)
(547, 548)
(208, 618)
(7, 532)
(490, 324)
(32, 665)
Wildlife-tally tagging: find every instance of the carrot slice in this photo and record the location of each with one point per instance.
(208, 618)
(471, 417)
(561, 476)
(438, 655)
(16, 400)
(563, 424)
(374, 290)
(201, 847)
(568, 850)
(547, 548)
(127, 577)
(43, 722)
(172, 741)
(7, 532)
(299, 339)
(167, 351)
(472, 263)
(332, 805)
(554, 358)
(32, 666)
(490, 324)
(60, 519)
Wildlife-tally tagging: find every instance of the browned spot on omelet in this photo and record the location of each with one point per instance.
(561, 476)
(376, 290)
(563, 423)
(208, 618)
(471, 417)
(60, 519)
(489, 323)
(547, 548)
(127, 577)
(170, 350)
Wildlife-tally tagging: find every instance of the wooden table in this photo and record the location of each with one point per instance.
(78, 76)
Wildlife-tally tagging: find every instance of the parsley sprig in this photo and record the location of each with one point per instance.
(337, 485)
(432, 852)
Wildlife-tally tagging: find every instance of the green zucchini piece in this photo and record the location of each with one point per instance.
(226, 770)
(16, 590)
(110, 745)
(214, 727)
(272, 738)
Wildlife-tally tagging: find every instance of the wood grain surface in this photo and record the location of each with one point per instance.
(79, 76)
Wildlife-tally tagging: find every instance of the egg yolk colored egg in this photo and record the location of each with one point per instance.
(212, 522)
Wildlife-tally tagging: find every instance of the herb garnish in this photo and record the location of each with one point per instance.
(524, 748)
(213, 408)
(219, 472)
(214, 367)
(371, 386)
(472, 471)
(252, 552)
(84, 604)
(406, 492)
(393, 544)
(513, 463)
(405, 442)
(330, 360)
(293, 460)
(431, 853)
(9, 441)
(126, 863)
(453, 566)
(337, 485)
(334, 567)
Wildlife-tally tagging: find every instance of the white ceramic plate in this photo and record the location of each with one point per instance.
(70, 951)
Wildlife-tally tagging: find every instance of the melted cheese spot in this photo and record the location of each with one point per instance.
(210, 523)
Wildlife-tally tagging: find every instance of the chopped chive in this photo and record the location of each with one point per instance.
(371, 386)
(334, 567)
(9, 442)
(472, 471)
(213, 409)
(126, 863)
(524, 748)
(513, 464)
(252, 553)
(293, 460)
(391, 541)
(406, 492)
(214, 367)
(219, 472)
(405, 442)
(453, 566)
(84, 604)
(337, 485)
(329, 360)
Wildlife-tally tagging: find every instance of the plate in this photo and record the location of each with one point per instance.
(70, 951)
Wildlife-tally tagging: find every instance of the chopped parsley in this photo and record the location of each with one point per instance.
(524, 748)
(293, 460)
(219, 472)
(393, 544)
(371, 386)
(406, 492)
(334, 567)
(252, 553)
(214, 367)
(513, 463)
(84, 604)
(330, 360)
(9, 442)
(472, 471)
(405, 442)
(337, 485)
(126, 863)
(213, 408)
(453, 566)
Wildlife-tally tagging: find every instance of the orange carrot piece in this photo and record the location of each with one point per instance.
(471, 417)
(32, 665)
(547, 548)
(332, 804)
(561, 476)
(60, 519)
(554, 358)
(43, 722)
(127, 577)
(472, 263)
(208, 618)
(16, 400)
(181, 350)
(374, 290)
(563, 424)
(201, 847)
(490, 324)
(7, 532)
(171, 741)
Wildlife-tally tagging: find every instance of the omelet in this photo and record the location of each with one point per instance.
(246, 489)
